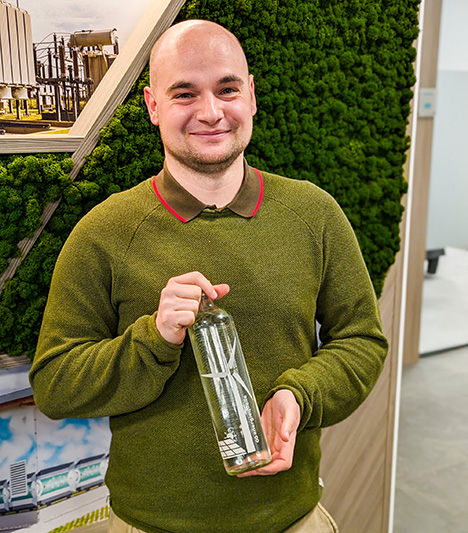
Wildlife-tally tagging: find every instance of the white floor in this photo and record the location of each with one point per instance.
(444, 317)
(432, 466)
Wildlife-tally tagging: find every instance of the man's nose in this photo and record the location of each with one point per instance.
(210, 109)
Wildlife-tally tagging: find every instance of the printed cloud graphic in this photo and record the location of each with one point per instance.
(17, 440)
(26, 434)
(65, 441)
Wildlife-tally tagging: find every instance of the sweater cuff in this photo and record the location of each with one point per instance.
(309, 400)
(164, 351)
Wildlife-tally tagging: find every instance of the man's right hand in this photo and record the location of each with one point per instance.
(179, 303)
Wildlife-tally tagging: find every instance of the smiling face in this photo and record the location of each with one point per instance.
(201, 97)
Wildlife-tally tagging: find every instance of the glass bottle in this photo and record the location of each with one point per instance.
(228, 390)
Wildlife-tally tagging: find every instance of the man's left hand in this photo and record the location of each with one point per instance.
(280, 417)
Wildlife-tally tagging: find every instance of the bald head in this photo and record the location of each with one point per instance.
(202, 98)
(187, 38)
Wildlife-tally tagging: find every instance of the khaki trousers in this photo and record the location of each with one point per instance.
(317, 521)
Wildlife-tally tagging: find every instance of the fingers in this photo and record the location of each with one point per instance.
(179, 303)
(280, 417)
(282, 459)
(195, 282)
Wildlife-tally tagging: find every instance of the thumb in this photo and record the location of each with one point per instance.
(291, 416)
(288, 428)
(221, 290)
(285, 432)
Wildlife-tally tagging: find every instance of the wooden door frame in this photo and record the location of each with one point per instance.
(419, 186)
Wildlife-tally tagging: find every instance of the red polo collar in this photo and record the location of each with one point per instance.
(186, 207)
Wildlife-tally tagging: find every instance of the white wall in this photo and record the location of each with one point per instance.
(453, 36)
(448, 201)
(70, 15)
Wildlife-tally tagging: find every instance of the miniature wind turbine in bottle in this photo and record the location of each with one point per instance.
(228, 390)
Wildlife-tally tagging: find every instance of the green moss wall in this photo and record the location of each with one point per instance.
(333, 81)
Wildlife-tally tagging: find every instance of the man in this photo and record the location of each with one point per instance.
(279, 252)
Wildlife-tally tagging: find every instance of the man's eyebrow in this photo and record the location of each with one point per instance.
(180, 85)
(231, 78)
(189, 85)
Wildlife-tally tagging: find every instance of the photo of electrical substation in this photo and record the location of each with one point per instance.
(45, 85)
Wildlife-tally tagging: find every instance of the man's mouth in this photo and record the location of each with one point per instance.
(213, 134)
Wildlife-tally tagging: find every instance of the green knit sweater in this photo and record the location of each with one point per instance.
(99, 354)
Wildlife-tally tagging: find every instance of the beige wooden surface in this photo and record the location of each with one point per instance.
(7, 361)
(357, 453)
(420, 197)
(39, 143)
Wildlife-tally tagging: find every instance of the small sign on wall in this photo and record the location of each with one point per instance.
(427, 102)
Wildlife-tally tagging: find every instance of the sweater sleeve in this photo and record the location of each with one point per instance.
(350, 358)
(84, 366)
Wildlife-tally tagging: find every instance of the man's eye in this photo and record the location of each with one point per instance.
(183, 96)
(228, 90)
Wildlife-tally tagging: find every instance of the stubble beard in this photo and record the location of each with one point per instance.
(202, 164)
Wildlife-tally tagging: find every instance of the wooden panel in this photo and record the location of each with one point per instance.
(417, 237)
(420, 196)
(39, 143)
(356, 460)
(6, 361)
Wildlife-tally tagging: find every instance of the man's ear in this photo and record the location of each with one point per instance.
(151, 105)
(253, 100)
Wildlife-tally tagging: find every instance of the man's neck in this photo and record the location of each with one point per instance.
(212, 189)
